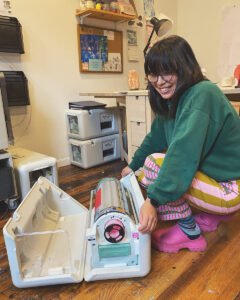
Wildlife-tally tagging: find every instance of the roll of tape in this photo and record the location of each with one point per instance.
(114, 231)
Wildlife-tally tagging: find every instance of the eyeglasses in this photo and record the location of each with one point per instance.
(154, 78)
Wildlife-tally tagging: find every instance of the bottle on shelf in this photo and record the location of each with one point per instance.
(98, 4)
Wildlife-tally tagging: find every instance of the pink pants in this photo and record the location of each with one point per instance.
(204, 193)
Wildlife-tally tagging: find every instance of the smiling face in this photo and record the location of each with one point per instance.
(164, 85)
(172, 58)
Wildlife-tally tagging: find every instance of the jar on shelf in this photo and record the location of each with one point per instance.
(114, 6)
(82, 4)
(90, 4)
(105, 5)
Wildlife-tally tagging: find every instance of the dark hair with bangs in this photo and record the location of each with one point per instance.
(172, 55)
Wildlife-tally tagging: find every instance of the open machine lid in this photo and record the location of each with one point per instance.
(45, 238)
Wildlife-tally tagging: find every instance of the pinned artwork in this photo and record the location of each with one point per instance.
(114, 63)
(100, 50)
(93, 47)
(132, 45)
(149, 11)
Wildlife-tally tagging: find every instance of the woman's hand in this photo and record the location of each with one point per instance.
(147, 217)
(126, 171)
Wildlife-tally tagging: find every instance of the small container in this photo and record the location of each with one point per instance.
(114, 6)
(106, 5)
(90, 4)
(82, 4)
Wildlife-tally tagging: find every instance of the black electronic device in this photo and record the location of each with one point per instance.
(87, 105)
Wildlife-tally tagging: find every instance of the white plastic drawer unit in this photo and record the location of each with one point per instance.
(53, 239)
(136, 108)
(87, 124)
(138, 133)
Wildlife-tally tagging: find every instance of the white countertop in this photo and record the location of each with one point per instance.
(116, 93)
(230, 90)
(225, 90)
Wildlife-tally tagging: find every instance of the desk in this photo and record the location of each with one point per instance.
(140, 116)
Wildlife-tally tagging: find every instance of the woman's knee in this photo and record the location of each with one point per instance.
(152, 166)
(154, 158)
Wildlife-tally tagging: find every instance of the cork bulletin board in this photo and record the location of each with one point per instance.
(100, 50)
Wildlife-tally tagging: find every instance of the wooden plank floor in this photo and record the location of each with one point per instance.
(213, 274)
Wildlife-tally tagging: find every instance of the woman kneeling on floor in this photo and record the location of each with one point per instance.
(200, 129)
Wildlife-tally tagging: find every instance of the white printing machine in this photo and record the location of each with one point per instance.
(53, 239)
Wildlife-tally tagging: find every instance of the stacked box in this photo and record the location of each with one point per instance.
(89, 153)
(86, 124)
(93, 136)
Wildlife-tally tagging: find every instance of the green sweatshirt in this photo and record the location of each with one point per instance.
(204, 136)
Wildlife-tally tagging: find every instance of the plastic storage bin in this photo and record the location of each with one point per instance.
(87, 124)
(94, 152)
(29, 166)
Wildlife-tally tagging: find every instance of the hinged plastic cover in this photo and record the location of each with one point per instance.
(45, 238)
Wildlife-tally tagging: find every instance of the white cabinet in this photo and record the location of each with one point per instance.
(136, 108)
(139, 120)
(138, 132)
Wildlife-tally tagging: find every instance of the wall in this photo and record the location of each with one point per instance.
(200, 23)
(50, 63)
(168, 8)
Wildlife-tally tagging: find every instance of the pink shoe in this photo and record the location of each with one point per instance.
(173, 239)
(209, 222)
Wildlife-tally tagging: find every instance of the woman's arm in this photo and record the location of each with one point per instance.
(126, 171)
(147, 217)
